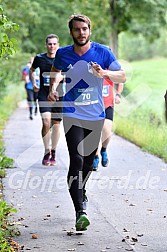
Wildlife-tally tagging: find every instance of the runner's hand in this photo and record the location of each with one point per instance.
(36, 89)
(97, 70)
(117, 99)
(53, 96)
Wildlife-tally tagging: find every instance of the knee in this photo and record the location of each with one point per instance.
(76, 163)
(46, 125)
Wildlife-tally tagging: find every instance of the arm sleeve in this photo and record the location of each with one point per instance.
(112, 63)
(35, 62)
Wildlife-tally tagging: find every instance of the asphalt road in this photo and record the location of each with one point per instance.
(127, 200)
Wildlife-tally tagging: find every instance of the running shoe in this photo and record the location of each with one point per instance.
(52, 159)
(81, 221)
(95, 163)
(104, 160)
(85, 201)
(46, 159)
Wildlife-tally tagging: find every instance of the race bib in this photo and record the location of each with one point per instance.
(85, 96)
(105, 90)
(46, 81)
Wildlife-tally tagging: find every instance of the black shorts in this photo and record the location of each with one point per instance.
(54, 108)
(109, 113)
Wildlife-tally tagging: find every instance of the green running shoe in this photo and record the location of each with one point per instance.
(81, 221)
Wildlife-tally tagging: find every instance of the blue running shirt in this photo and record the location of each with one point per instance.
(83, 96)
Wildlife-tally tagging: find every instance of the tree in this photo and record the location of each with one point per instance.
(25, 15)
(145, 16)
(7, 43)
(111, 17)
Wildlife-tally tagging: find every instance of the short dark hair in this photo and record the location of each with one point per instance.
(50, 36)
(79, 17)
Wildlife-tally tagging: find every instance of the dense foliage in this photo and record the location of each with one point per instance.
(109, 19)
(7, 44)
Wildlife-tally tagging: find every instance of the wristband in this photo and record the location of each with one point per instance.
(118, 95)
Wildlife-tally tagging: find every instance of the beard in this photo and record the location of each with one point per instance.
(81, 44)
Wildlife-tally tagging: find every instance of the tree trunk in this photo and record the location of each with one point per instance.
(165, 96)
(114, 42)
(114, 33)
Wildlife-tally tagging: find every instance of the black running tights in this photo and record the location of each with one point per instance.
(82, 139)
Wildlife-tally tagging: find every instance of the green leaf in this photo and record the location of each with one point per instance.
(13, 40)
(5, 38)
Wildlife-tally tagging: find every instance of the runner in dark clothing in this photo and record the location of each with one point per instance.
(51, 116)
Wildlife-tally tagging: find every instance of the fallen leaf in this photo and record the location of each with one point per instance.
(134, 239)
(15, 223)
(74, 249)
(15, 245)
(127, 237)
(129, 249)
(132, 204)
(69, 233)
(34, 236)
(125, 230)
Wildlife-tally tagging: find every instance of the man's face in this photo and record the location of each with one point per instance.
(80, 33)
(52, 45)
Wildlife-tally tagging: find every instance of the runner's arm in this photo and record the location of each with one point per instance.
(33, 79)
(55, 78)
(119, 89)
(115, 76)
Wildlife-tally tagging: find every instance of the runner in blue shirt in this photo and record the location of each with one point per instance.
(31, 95)
(83, 110)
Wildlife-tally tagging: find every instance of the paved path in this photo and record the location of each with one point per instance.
(127, 200)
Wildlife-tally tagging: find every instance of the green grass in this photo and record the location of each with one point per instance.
(6, 228)
(144, 124)
(151, 73)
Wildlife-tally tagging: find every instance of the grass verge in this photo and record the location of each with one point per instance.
(7, 229)
(140, 118)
